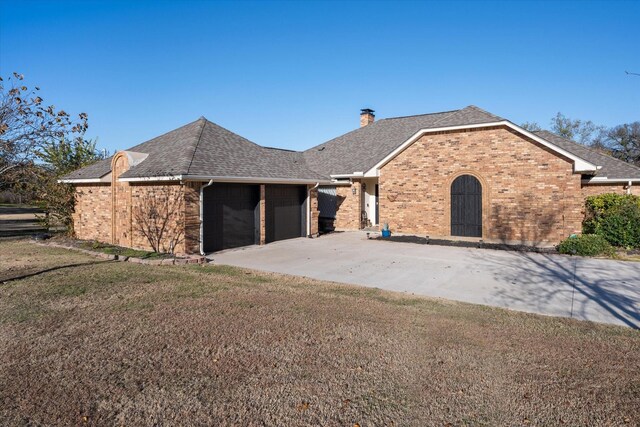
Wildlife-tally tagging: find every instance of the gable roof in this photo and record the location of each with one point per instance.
(610, 167)
(202, 149)
(363, 148)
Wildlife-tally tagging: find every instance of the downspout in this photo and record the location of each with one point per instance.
(309, 208)
(629, 187)
(201, 216)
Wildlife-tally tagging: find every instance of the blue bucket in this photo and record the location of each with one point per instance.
(386, 233)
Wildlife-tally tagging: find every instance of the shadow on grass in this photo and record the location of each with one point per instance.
(48, 270)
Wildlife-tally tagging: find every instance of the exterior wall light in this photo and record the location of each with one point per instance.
(354, 191)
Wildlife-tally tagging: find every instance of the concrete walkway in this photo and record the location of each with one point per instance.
(583, 288)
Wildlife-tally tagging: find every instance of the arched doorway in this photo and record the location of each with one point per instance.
(466, 207)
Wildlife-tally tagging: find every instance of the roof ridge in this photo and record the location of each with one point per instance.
(160, 136)
(475, 107)
(233, 133)
(281, 149)
(195, 148)
(591, 150)
(419, 115)
(453, 113)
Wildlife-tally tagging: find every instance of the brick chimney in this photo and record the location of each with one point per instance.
(366, 117)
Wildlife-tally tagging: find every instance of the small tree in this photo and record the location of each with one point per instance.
(58, 159)
(26, 124)
(159, 217)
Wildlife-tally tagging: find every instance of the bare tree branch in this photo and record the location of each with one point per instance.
(159, 217)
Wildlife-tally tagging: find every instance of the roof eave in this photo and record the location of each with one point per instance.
(606, 180)
(104, 179)
(228, 179)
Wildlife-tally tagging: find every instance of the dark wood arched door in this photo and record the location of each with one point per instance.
(466, 207)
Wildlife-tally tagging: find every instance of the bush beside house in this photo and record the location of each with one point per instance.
(615, 217)
(585, 245)
(611, 220)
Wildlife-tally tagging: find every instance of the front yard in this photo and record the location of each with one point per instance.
(93, 342)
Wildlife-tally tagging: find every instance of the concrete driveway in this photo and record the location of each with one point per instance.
(582, 288)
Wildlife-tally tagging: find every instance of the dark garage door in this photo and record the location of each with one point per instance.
(285, 212)
(466, 207)
(231, 216)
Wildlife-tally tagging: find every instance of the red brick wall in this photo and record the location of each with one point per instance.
(348, 206)
(94, 212)
(192, 217)
(109, 217)
(92, 215)
(121, 229)
(529, 193)
(145, 195)
(593, 189)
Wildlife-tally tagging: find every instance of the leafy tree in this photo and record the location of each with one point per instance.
(531, 126)
(624, 141)
(584, 132)
(26, 124)
(58, 158)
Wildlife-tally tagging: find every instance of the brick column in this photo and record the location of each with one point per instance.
(263, 228)
(192, 217)
(313, 210)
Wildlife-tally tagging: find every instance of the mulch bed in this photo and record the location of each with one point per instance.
(464, 244)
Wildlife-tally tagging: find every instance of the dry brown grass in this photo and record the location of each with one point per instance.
(113, 343)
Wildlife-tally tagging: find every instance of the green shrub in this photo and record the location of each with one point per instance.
(586, 245)
(615, 217)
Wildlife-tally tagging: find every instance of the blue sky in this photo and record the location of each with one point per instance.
(295, 74)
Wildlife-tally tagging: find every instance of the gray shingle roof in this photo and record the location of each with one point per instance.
(204, 149)
(96, 170)
(611, 167)
(363, 148)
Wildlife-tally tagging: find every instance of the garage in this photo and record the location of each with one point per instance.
(285, 212)
(230, 216)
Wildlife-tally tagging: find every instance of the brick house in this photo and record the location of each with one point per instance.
(458, 174)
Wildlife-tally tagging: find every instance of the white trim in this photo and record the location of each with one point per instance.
(81, 181)
(248, 180)
(348, 175)
(135, 158)
(605, 180)
(152, 178)
(579, 164)
(106, 179)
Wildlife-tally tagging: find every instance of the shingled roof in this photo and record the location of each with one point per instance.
(203, 149)
(363, 148)
(610, 167)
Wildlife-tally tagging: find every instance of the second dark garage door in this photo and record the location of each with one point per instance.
(285, 212)
(231, 216)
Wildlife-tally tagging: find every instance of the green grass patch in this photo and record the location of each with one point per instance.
(223, 270)
(67, 290)
(196, 290)
(376, 295)
(122, 251)
(23, 312)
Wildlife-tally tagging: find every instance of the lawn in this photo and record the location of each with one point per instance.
(93, 342)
